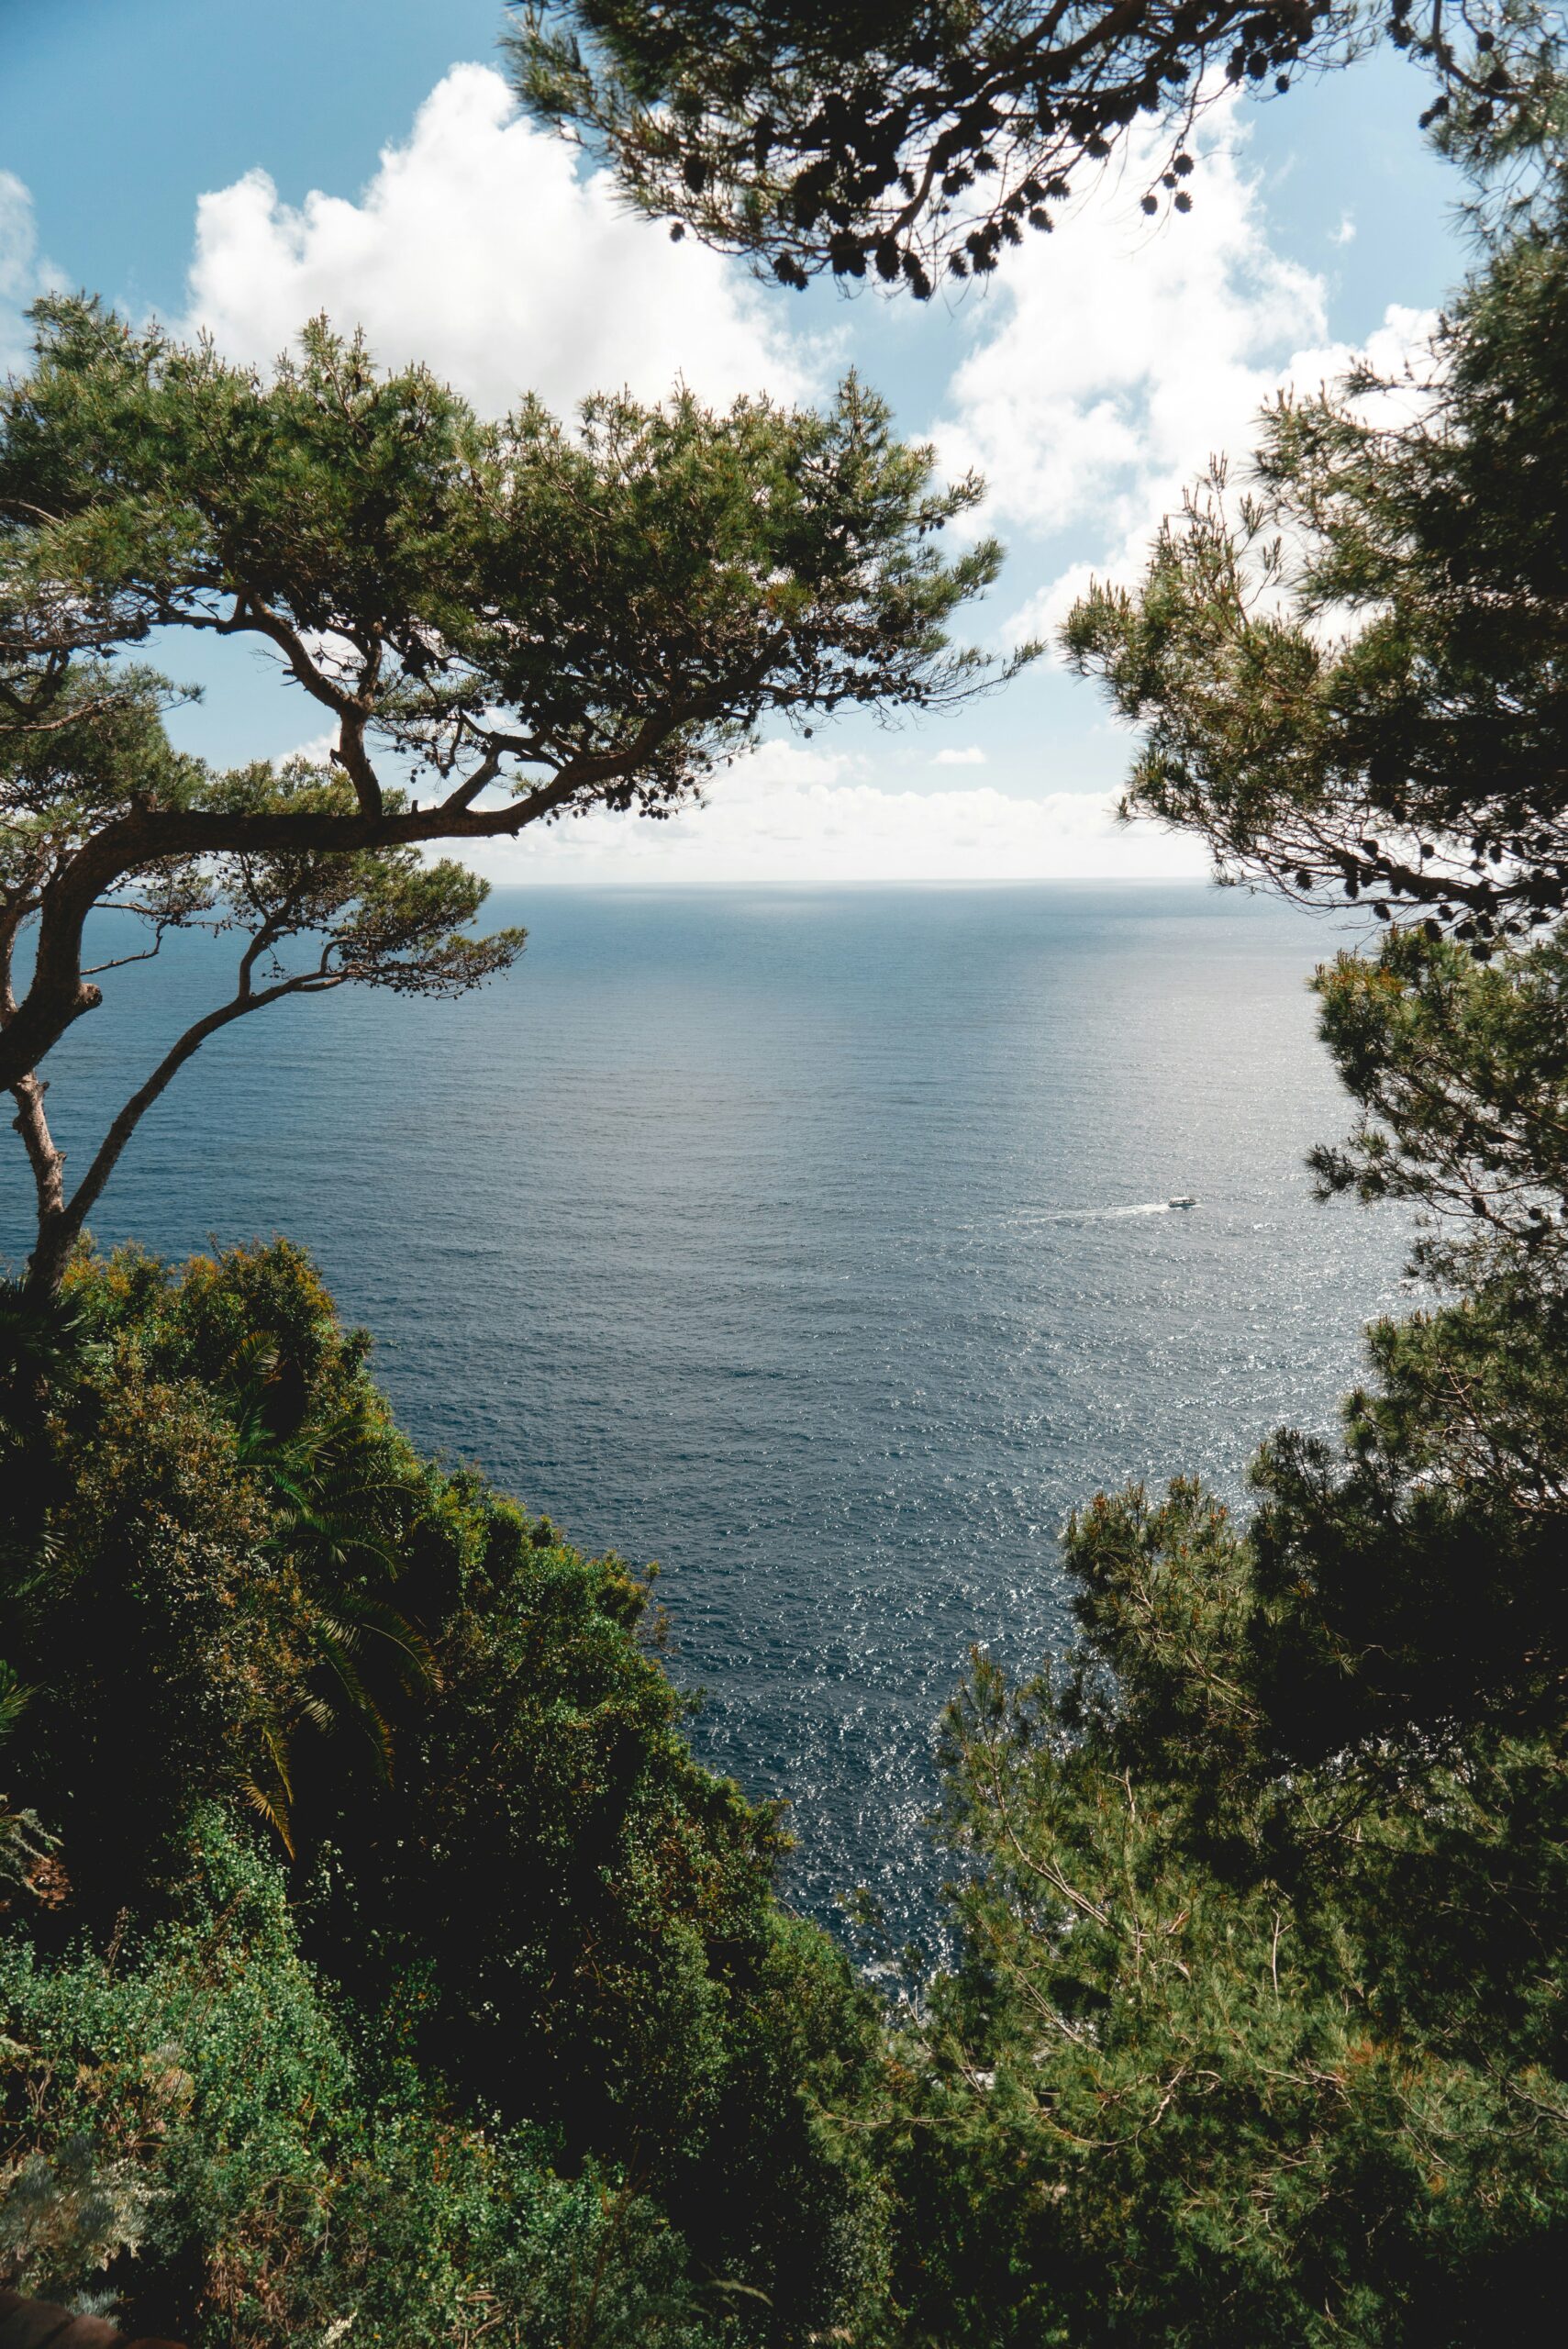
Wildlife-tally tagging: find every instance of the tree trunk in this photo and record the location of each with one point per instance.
(50, 1258)
(56, 1227)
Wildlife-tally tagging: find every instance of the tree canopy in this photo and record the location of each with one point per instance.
(924, 139)
(502, 623)
(493, 2026)
(1350, 674)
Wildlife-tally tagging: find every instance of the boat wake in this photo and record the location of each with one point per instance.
(1110, 1215)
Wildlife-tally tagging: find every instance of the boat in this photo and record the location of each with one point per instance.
(1184, 1201)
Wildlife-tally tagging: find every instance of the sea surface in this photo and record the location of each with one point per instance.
(815, 1244)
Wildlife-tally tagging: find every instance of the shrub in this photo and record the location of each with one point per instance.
(196, 2132)
(254, 1602)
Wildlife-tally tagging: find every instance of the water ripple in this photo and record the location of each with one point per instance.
(829, 1262)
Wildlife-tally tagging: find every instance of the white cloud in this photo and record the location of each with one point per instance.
(1345, 234)
(479, 247)
(1119, 357)
(784, 815)
(1126, 353)
(24, 274)
(1403, 337)
(1105, 367)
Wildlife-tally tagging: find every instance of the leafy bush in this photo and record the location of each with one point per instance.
(1232, 2052)
(254, 1603)
(193, 2127)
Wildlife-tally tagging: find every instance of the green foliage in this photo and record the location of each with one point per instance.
(159, 1617)
(39, 1340)
(1231, 2052)
(922, 137)
(1461, 1074)
(194, 2128)
(520, 620)
(1424, 1570)
(641, 589)
(508, 1874)
(1350, 678)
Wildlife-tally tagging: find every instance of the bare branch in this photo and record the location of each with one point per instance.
(60, 1226)
(120, 961)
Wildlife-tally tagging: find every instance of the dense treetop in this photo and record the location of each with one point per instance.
(922, 138)
(1350, 676)
(414, 1975)
(501, 623)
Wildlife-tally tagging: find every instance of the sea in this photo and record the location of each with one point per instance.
(817, 1244)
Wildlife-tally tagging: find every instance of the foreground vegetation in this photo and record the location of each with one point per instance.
(395, 1960)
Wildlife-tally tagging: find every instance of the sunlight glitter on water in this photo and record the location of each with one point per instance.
(829, 1262)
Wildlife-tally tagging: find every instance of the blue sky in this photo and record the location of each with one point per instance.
(1089, 383)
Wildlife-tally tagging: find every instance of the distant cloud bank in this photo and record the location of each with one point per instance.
(781, 814)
